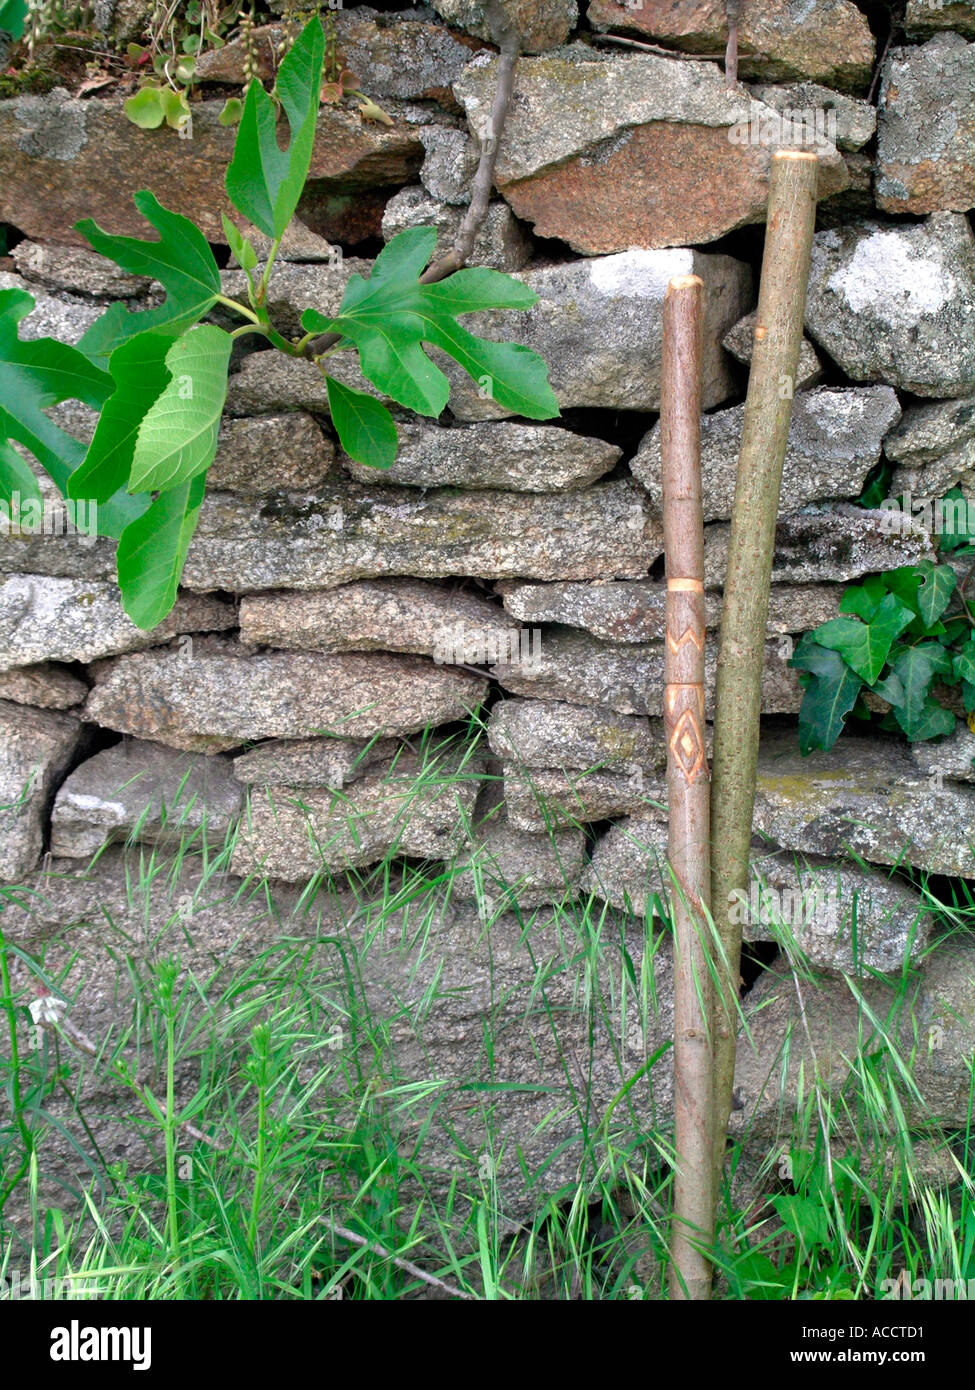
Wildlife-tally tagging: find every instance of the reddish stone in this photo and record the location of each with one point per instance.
(662, 184)
(829, 41)
(63, 159)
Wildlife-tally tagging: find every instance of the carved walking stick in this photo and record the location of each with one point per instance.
(688, 786)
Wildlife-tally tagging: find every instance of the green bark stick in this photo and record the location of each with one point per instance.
(738, 697)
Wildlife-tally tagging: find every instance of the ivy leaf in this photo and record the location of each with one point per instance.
(831, 692)
(265, 182)
(964, 663)
(364, 426)
(152, 552)
(389, 316)
(181, 260)
(864, 599)
(138, 370)
(935, 590)
(917, 712)
(925, 587)
(865, 645)
(956, 532)
(177, 438)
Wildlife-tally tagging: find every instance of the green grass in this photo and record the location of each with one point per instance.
(253, 1120)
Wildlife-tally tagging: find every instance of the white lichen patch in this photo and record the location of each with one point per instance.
(885, 273)
(638, 273)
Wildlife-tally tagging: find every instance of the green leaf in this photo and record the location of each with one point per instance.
(265, 182)
(918, 714)
(181, 260)
(805, 1218)
(956, 531)
(175, 105)
(178, 436)
(152, 552)
(13, 16)
(964, 663)
(16, 476)
(138, 369)
(935, 590)
(389, 316)
(831, 692)
(240, 248)
(864, 646)
(38, 373)
(233, 109)
(364, 426)
(41, 373)
(864, 599)
(146, 109)
(925, 587)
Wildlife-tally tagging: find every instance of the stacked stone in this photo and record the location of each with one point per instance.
(338, 628)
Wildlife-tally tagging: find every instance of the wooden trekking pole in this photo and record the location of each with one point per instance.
(687, 786)
(744, 615)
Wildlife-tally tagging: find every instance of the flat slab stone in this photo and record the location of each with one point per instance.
(45, 686)
(825, 542)
(506, 868)
(835, 439)
(393, 615)
(346, 531)
(552, 733)
(829, 41)
(215, 702)
(418, 807)
(36, 749)
(57, 153)
(633, 610)
(545, 798)
(139, 791)
(577, 668)
(925, 17)
(312, 762)
(809, 905)
(866, 797)
(591, 137)
(274, 451)
(740, 342)
(598, 324)
(928, 1020)
(43, 618)
(510, 457)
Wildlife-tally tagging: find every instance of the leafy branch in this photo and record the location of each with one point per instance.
(158, 377)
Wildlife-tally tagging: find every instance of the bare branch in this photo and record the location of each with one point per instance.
(373, 1245)
(509, 44)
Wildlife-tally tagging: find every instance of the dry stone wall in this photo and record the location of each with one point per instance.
(338, 631)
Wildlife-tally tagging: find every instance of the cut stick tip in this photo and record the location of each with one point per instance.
(685, 282)
(797, 154)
